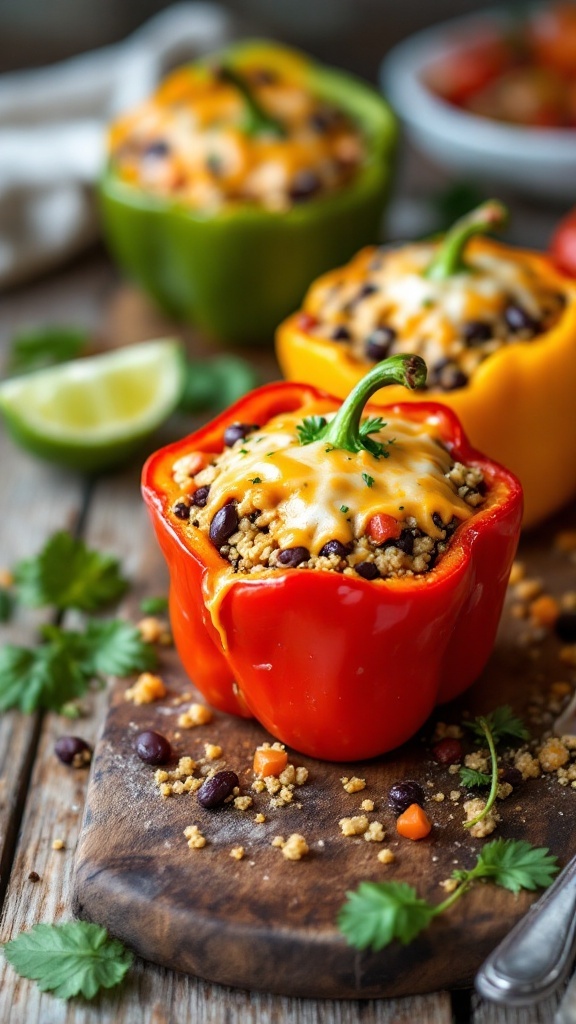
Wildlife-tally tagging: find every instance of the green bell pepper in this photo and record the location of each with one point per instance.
(239, 272)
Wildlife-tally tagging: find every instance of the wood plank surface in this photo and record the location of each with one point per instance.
(489, 1013)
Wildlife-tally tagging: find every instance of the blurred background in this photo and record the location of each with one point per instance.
(352, 33)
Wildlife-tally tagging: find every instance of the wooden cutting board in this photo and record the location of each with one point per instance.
(268, 923)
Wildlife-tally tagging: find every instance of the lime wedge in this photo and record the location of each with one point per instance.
(93, 413)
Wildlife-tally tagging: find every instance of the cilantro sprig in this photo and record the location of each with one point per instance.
(68, 574)
(376, 913)
(64, 665)
(39, 347)
(69, 959)
(500, 724)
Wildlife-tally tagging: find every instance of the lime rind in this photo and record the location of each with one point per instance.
(94, 413)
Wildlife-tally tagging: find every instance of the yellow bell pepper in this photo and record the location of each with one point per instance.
(519, 404)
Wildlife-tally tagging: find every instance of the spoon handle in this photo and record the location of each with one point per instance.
(535, 957)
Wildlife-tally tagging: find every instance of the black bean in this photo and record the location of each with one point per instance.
(438, 521)
(378, 344)
(152, 747)
(447, 376)
(200, 497)
(335, 547)
(518, 319)
(405, 542)
(340, 333)
(304, 185)
(565, 627)
(477, 331)
(73, 750)
(224, 524)
(451, 526)
(216, 789)
(367, 570)
(512, 776)
(159, 148)
(403, 794)
(236, 431)
(448, 751)
(181, 510)
(291, 557)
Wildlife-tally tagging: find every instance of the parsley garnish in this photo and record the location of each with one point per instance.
(62, 667)
(368, 480)
(344, 509)
(68, 574)
(6, 604)
(379, 912)
(311, 429)
(256, 480)
(472, 779)
(69, 959)
(502, 723)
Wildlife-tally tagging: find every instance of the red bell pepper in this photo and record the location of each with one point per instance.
(337, 666)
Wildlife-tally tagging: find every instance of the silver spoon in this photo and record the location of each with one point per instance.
(536, 956)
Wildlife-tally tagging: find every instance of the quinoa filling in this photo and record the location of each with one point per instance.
(272, 501)
(382, 304)
(211, 136)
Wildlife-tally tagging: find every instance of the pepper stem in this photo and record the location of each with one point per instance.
(344, 430)
(449, 259)
(258, 121)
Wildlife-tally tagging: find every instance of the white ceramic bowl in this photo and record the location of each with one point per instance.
(535, 161)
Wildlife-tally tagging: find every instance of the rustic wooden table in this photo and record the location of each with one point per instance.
(38, 802)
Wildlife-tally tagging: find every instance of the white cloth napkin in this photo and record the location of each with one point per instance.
(52, 133)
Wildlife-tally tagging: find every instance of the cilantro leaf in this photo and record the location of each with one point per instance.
(515, 864)
(311, 429)
(6, 604)
(45, 346)
(68, 574)
(69, 959)
(41, 677)
(472, 779)
(368, 480)
(502, 723)
(371, 426)
(378, 912)
(154, 605)
(111, 647)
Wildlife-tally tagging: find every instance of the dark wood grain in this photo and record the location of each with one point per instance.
(268, 924)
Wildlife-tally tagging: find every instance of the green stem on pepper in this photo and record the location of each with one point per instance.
(485, 726)
(257, 120)
(449, 259)
(344, 430)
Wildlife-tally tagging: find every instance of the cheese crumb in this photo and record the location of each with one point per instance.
(527, 765)
(449, 885)
(58, 844)
(237, 852)
(295, 847)
(242, 803)
(375, 832)
(367, 805)
(353, 785)
(151, 629)
(553, 755)
(482, 828)
(355, 826)
(195, 838)
(213, 751)
(278, 841)
(146, 689)
(517, 573)
(260, 818)
(386, 856)
(197, 714)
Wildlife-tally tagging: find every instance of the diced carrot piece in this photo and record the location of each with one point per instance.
(269, 761)
(414, 823)
(382, 527)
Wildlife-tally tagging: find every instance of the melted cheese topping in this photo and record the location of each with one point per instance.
(189, 142)
(428, 316)
(323, 494)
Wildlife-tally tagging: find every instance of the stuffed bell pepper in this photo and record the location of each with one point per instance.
(496, 326)
(246, 175)
(336, 570)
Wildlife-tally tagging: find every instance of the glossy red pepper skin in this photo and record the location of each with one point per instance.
(338, 667)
